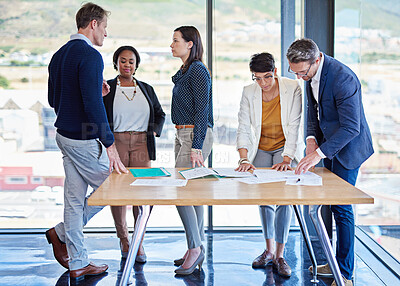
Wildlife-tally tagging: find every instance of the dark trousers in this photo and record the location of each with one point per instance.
(344, 219)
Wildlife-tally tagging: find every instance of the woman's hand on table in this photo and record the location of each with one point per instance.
(196, 157)
(284, 166)
(244, 167)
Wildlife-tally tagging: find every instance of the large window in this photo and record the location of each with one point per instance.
(31, 172)
(241, 30)
(368, 42)
(31, 31)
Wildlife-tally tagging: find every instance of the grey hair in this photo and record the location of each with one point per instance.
(303, 50)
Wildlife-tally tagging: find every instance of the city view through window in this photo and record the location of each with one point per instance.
(31, 170)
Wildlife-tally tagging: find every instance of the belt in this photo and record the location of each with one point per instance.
(183, 126)
(132, 132)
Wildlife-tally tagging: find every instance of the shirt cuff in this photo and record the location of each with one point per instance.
(311, 137)
(322, 155)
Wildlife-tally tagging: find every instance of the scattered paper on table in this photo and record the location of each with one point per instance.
(197, 173)
(166, 182)
(255, 180)
(305, 181)
(231, 173)
(274, 174)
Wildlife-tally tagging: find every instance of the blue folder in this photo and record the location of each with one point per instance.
(150, 172)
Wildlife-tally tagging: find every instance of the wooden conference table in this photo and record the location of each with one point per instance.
(116, 191)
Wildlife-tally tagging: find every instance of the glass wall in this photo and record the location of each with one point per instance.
(242, 29)
(31, 169)
(31, 172)
(368, 42)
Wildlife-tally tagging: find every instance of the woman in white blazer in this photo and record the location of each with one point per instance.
(269, 136)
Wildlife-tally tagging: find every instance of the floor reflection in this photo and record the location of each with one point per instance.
(88, 281)
(228, 262)
(195, 279)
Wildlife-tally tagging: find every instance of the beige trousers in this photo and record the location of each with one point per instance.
(132, 150)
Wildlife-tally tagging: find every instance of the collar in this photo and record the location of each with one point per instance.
(79, 36)
(317, 76)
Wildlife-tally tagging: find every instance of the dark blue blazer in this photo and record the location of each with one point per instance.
(342, 130)
(157, 115)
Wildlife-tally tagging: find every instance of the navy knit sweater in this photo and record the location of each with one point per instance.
(75, 93)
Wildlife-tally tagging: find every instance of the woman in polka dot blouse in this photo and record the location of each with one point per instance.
(192, 114)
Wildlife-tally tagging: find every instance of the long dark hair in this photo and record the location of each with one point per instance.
(190, 33)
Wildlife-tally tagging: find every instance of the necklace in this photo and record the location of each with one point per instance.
(123, 92)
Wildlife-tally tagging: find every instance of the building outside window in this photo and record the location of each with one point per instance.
(368, 43)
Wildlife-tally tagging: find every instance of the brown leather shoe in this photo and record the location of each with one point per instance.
(59, 247)
(346, 282)
(282, 267)
(91, 269)
(263, 259)
(322, 270)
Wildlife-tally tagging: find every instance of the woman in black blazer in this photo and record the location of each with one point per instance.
(135, 117)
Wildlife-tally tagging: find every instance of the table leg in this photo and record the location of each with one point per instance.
(140, 227)
(307, 240)
(315, 214)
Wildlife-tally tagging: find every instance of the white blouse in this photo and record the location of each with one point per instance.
(130, 115)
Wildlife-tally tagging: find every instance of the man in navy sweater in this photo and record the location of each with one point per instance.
(75, 89)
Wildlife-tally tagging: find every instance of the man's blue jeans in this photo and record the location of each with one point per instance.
(344, 219)
(85, 164)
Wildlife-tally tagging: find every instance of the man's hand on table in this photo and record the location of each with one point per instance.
(115, 161)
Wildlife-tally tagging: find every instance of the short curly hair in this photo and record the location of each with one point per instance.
(262, 62)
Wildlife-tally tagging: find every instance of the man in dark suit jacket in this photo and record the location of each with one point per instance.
(337, 132)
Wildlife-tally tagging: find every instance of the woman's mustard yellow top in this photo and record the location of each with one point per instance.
(272, 136)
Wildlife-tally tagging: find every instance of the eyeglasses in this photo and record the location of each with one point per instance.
(266, 77)
(300, 74)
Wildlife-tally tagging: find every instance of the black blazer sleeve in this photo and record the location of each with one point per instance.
(108, 101)
(159, 115)
(156, 120)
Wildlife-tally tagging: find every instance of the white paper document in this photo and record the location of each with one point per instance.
(197, 173)
(231, 173)
(305, 179)
(164, 182)
(256, 180)
(274, 174)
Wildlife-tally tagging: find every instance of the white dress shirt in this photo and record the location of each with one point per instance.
(315, 91)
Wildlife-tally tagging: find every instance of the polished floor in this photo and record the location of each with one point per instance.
(27, 259)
